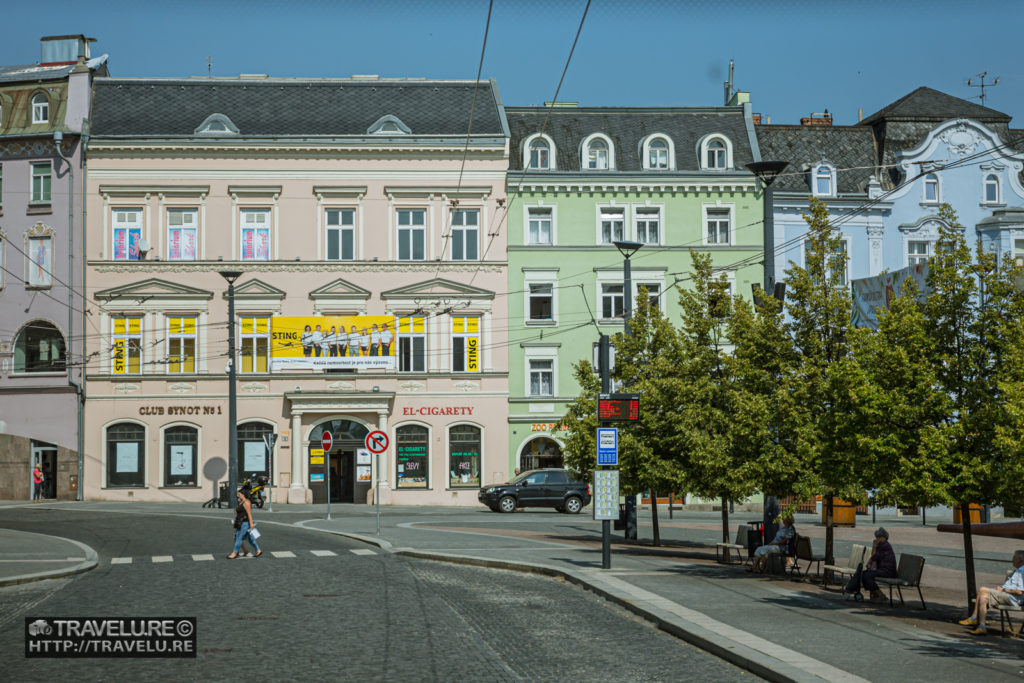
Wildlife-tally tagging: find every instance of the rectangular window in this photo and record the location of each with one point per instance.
(181, 344)
(611, 225)
(127, 233)
(648, 222)
(40, 109)
(464, 456)
(1018, 252)
(412, 344)
(839, 260)
(341, 234)
(611, 300)
(917, 253)
(255, 343)
(412, 457)
(718, 226)
(41, 182)
(40, 267)
(465, 343)
(653, 292)
(539, 229)
(412, 235)
(255, 235)
(542, 377)
(465, 235)
(541, 298)
(181, 234)
(126, 349)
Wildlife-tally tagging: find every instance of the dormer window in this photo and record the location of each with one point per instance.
(540, 155)
(216, 125)
(40, 108)
(931, 188)
(991, 189)
(657, 153)
(598, 153)
(716, 153)
(388, 125)
(823, 182)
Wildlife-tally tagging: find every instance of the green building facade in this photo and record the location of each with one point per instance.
(581, 178)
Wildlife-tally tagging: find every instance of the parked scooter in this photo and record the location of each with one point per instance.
(257, 482)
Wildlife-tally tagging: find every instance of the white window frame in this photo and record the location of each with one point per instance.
(45, 268)
(602, 210)
(341, 228)
(181, 337)
(37, 196)
(731, 208)
(528, 296)
(528, 155)
(128, 226)
(1018, 252)
(927, 180)
(194, 226)
(530, 372)
(552, 213)
(412, 229)
(469, 233)
(829, 176)
(994, 177)
(601, 284)
(128, 337)
(639, 211)
(453, 335)
(245, 225)
(703, 147)
(256, 339)
(412, 334)
(40, 109)
(845, 241)
(645, 152)
(637, 284)
(913, 258)
(585, 152)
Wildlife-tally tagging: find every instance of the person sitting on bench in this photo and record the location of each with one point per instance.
(775, 547)
(1010, 593)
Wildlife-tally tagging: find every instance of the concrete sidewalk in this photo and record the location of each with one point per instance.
(26, 557)
(778, 628)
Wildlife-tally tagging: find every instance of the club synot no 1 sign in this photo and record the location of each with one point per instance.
(377, 441)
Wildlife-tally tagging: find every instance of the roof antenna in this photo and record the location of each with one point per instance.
(209, 65)
(728, 84)
(981, 85)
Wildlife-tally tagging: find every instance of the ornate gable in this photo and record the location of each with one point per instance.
(339, 295)
(435, 288)
(155, 295)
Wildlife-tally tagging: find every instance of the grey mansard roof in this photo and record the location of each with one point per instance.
(927, 103)
(851, 149)
(627, 127)
(163, 108)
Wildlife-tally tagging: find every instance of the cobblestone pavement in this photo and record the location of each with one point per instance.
(330, 616)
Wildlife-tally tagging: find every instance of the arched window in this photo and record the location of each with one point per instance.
(931, 188)
(412, 457)
(540, 155)
(126, 451)
(716, 155)
(464, 456)
(252, 451)
(181, 446)
(40, 108)
(823, 181)
(596, 155)
(657, 154)
(991, 189)
(39, 348)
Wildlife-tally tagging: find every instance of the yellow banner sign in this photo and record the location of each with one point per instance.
(337, 341)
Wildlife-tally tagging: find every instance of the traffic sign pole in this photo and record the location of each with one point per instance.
(269, 440)
(377, 442)
(326, 441)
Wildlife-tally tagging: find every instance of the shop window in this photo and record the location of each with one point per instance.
(412, 454)
(464, 456)
(412, 344)
(465, 343)
(126, 345)
(39, 348)
(255, 343)
(181, 446)
(126, 450)
(181, 344)
(252, 450)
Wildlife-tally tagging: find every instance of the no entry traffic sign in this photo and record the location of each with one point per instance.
(377, 441)
(326, 442)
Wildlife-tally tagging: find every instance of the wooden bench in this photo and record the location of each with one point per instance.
(740, 546)
(908, 575)
(1004, 615)
(804, 553)
(845, 573)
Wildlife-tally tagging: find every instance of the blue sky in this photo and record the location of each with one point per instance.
(794, 57)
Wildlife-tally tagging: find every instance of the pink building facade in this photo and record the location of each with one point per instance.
(355, 203)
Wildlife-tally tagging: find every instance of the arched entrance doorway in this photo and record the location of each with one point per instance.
(340, 464)
(541, 451)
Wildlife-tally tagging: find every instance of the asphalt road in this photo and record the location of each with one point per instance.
(330, 614)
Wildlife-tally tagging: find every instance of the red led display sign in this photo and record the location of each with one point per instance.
(618, 407)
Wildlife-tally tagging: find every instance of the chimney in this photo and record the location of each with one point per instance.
(816, 119)
(756, 118)
(860, 114)
(63, 50)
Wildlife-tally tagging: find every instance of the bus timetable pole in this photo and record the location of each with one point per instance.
(604, 358)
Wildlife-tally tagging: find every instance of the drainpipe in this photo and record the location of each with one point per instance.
(58, 138)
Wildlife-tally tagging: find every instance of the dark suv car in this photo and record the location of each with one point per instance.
(537, 488)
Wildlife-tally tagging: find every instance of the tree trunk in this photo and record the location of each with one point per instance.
(965, 518)
(654, 518)
(725, 520)
(829, 537)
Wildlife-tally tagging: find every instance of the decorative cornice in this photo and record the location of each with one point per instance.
(652, 185)
(40, 230)
(181, 387)
(254, 190)
(254, 387)
(339, 191)
(142, 267)
(462, 192)
(143, 190)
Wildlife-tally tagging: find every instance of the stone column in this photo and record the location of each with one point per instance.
(875, 234)
(297, 490)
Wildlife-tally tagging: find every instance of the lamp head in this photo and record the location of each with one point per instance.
(627, 248)
(231, 275)
(767, 171)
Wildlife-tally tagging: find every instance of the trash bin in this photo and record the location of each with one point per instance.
(223, 499)
(755, 538)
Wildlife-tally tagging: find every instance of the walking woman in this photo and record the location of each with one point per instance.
(244, 524)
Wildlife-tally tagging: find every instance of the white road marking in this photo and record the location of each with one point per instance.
(282, 553)
(323, 553)
(362, 551)
(200, 558)
(120, 560)
(163, 558)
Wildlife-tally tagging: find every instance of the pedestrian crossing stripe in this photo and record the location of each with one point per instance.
(362, 551)
(324, 553)
(200, 558)
(282, 553)
(121, 560)
(208, 557)
(163, 558)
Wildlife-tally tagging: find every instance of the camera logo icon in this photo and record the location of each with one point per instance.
(40, 627)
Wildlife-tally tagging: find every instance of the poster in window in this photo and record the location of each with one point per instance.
(41, 266)
(363, 457)
(363, 473)
(248, 247)
(126, 244)
(127, 456)
(263, 245)
(255, 456)
(181, 461)
(118, 356)
(411, 467)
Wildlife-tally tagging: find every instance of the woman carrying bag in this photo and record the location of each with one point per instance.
(245, 527)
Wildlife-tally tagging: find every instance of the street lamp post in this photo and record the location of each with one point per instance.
(231, 276)
(767, 172)
(627, 249)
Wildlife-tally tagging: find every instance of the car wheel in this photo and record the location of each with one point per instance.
(507, 504)
(573, 505)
